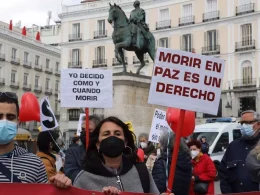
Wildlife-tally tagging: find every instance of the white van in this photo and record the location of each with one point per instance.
(219, 133)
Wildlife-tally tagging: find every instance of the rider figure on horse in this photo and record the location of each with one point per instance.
(138, 25)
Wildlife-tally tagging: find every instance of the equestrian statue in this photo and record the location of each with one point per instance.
(131, 34)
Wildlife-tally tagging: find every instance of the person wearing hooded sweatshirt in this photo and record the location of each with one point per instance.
(75, 156)
(183, 171)
(16, 164)
(234, 175)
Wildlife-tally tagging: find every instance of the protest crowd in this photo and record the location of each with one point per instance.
(112, 162)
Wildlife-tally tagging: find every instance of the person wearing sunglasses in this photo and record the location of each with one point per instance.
(16, 164)
(234, 176)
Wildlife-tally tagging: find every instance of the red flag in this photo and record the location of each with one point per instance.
(11, 25)
(38, 37)
(24, 31)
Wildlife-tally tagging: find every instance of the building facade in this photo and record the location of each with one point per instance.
(27, 65)
(227, 29)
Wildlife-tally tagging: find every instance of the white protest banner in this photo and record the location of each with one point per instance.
(159, 124)
(80, 123)
(87, 88)
(48, 119)
(187, 81)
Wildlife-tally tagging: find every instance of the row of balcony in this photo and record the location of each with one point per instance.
(100, 63)
(183, 21)
(245, 83)
(28, 65)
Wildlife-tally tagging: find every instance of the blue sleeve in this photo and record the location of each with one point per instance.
(71, 168)
(159, 175)
(224, 184)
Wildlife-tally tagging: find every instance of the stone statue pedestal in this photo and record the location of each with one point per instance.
(130, 96)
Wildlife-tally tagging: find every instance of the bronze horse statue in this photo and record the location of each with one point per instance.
(123, 38)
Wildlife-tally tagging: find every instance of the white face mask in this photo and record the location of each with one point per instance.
(143, 144)
(194, 153)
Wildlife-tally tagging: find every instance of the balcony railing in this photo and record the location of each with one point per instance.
(211, 50)
(37, 89)
(73, 118)
(100, 34)
(2, 57)
(188, 20)
(245, 9)
(75, 37)
(137, 61)
(116, 63)
(56, 92)
(57, 72)
(245, 45)
(48, 70)
(27, 64)
(163, 24)
(27, 87)
(210, 16)
(15, 61)
(38, 67)
(188, 49)
(75, 64)
(244, 83)
(48, 91)
(2, 81)
(14, 84)
(100, 63)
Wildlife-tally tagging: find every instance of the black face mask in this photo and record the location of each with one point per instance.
(55, 148)
(112, 146)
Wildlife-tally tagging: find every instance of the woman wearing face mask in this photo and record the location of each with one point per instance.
(111, 162)
(48, 150)
(204, 171)
(147, 146)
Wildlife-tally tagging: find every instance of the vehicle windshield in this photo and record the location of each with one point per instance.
(211, 136)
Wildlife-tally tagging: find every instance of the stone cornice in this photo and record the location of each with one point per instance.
(9, 37)
(106, 8)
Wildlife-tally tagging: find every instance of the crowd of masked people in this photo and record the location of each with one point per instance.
(111, 163)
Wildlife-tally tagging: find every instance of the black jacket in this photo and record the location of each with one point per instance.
(74, 160)
(183, 173)
(234, 176)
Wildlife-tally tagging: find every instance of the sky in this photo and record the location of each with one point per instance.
(31, 12)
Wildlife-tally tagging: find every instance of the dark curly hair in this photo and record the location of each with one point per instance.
(194, 143)
(129, 138)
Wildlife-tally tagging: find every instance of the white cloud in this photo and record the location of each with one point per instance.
(31, 11)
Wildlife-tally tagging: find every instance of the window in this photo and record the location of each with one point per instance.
(56, 106)
(211, 40)
(1, 72)
(37, 78)
(247, 72)
(246, 34)
(187, 10)
(101, 27)
(74, 114)
(100, 54)
(222, 143)
(187, 42)
(76, 30)
(57, 66)
(57, 85)
(236, 134)
(26, 56)
(47, 63)
(13, 75)
(14, 52)
(25, 78)
(164, 14)
(163, 42)
(37, 60)
(212, 5)
(75, 56)
(47, 83)
(1, 48)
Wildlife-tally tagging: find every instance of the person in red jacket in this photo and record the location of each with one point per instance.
(203, 168)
